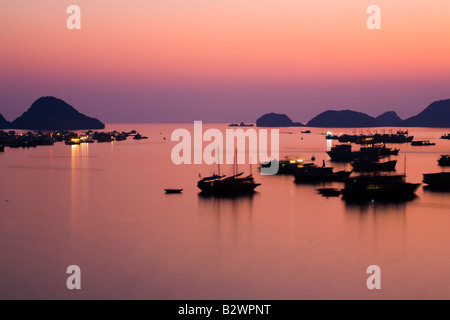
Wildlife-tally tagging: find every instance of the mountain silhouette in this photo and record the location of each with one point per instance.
(435, 115)
(389, 119)
(4, 124)
(343, 119)
(50, 113)
(276, 120)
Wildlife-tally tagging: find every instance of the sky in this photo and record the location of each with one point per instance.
(224, 60)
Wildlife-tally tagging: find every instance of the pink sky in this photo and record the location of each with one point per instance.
(223, 61)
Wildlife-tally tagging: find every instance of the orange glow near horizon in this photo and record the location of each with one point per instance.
(232, 39)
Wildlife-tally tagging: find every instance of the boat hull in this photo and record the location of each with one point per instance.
(437, 180)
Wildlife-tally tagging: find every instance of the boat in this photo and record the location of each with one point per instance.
(173, 190)
(344, 153)
(400, 137)
(375, 186)
(286, 166)
(233, 185)
(446, 136)
(73, 141)
(306, 131)
(139, 137)
(444, 160)
(379, 149)
(422, 143)
(331, 136)
(329, 192)
(313, 173)
(367, 165)
(439, 180)
(242, 124)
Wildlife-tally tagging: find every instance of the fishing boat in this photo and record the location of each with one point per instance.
(444, 160)
(306, 131)
(329, 192)
(235, 184)
(422, 143)
(173, 190)
(446, 136)
(367, 165)
(437, 180)
(376, 186)
(242, 124)
(344, 153)
(73, 141)
(139, 137)
(379, 149)
(287, 166)
(313, 173)
(232, 185)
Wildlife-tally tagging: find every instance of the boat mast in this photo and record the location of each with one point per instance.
(218, 160)
(404, 169)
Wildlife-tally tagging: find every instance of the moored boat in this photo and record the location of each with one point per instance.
(437, 180)
(444, 160)
(234, 185)
(173, 190)
(378, 186)
(422, 143)
(368, 165)
(313, 173)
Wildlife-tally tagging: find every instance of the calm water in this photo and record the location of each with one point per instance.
(102, 207)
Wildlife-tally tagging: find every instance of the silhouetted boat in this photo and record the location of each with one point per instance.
(242, 124)
(313, 173)
(227, 185)
(344, 153)
(378, 186)
(287, 166)
(306, 131)
(368, 165)
(379, 149)
(400, 137)
(422, 143)
(446, 136)
(139, 137)
(173, 190)
(74, 141)
(444, 160)
(437, 180)
(329, 192)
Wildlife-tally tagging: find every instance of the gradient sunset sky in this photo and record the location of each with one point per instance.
(224, 60)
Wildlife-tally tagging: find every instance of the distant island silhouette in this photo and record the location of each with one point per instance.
(435, 115)
(276, 120)
(50, 113)
(389, 119)
(344, 118)
(4, 124)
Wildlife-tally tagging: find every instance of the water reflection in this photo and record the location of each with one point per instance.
(79, 181)
(231, 205)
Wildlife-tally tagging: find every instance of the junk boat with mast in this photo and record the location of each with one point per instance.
(233, 185)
